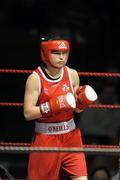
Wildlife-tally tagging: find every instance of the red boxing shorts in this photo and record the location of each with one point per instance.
(46, 165)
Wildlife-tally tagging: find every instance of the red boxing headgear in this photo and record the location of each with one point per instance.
(48, 46)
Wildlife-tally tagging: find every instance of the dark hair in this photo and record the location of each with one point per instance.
(100, 168)
(53, 36)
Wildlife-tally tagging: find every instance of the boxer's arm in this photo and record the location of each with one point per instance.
(31, 95)
(85, 95)
(76, 83)
(75, 80)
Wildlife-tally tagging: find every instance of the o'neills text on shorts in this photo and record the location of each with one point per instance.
(58, 128)
(55, 128)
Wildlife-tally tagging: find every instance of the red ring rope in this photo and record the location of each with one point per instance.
(99, 74)
(109, 106)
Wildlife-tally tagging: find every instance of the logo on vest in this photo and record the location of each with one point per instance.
(61, 101)
(65, 88)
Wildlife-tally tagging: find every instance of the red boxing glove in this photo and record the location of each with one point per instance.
(86, 96)
(59, 103)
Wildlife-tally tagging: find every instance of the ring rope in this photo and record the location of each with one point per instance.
(85, 145)
(11, 104)
(109, 106)
(26, 147)
(22, 149)
(99, 74)
(17, 71)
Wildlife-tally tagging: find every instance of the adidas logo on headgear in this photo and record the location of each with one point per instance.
(62, 45)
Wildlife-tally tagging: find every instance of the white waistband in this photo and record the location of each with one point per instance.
(55, 128)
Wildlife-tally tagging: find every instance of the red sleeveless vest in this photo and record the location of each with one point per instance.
(51, 88)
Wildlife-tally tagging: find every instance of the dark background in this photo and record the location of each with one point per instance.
(93, 28)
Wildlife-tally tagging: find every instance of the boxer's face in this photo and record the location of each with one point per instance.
(59, 58)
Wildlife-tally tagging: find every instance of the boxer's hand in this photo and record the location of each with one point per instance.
(59, 103)
(85, 96)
